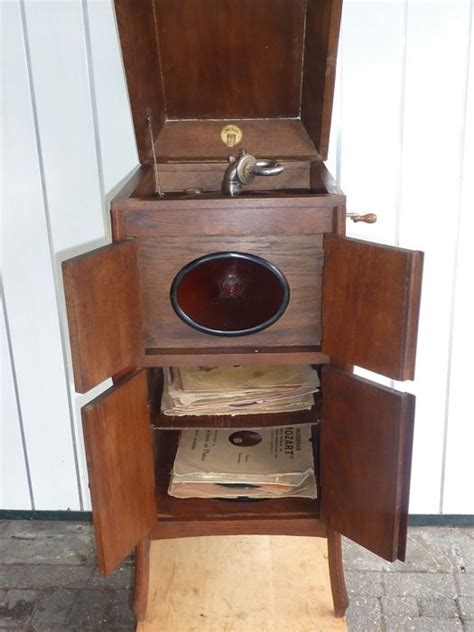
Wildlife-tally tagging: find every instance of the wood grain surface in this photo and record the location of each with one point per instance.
(246, 57)
(267, 138)
(141, 58)
(104, 312)
(300, 259)
(323, 18)
(366, 435)
(371, 302)
(240, 584)
(235, 355)
(274, 214)
(208, 176)
(267, 66)
(119, 451)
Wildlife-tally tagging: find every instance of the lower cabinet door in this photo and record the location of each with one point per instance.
(119, 451)
(366, 446)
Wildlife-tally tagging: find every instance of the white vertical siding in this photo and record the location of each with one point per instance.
(29, 286)
(459, 465)
(14, 487)
(403, 136)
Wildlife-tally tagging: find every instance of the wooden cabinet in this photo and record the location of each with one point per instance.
(352, 303)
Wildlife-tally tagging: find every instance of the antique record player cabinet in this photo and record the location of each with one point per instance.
(209, 79)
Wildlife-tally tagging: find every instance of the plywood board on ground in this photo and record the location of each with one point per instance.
(240, 584)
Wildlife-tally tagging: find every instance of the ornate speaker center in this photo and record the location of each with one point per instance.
(230, 294)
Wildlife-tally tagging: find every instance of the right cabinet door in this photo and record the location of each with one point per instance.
(371, 301)
(366, 446)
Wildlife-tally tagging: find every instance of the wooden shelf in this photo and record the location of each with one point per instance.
(230, 356)
(259, 420)
(211, 516)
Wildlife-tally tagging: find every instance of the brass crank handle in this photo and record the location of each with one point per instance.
(368, 218)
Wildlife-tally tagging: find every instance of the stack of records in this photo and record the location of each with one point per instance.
(237, 390)
(253, 463)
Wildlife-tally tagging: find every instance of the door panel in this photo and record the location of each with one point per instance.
(366, 443)
(104, 313)
(371, 301)
(119, 451)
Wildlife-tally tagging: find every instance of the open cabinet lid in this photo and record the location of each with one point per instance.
(366, 449)
(207, 77)
(119, 452)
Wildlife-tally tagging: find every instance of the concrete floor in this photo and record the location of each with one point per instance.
(48, 582)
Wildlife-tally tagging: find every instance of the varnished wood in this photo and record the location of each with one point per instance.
(274, 525)
(300, 259)
(246, 57)
(322, 181)
(336, 573)
(201, 140)
(365, 449)
(298, 175)
(371, 300)
(141, 581)
(323, 19)
(208, 176)
(141, 57)
(268, 67)
(104, 312)
(119, 451)
(228, 357)
(274, 214)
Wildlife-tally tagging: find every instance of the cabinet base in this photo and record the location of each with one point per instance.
(240, 583)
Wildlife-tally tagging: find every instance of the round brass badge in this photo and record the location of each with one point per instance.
(231, 135)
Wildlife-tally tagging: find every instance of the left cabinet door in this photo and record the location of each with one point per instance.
(119, 451)
(104, 312)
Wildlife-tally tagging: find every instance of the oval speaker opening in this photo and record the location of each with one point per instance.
(230, 294)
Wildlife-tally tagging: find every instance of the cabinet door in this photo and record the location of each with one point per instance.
(371, 300)
(366, 445)
(104, 313)
(119, 451)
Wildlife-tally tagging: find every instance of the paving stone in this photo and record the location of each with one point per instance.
(13, 576)
(400, 607)
(120, 578)
(90, 608)
(421, 624)
(16, 608)
(364, 613)
(30, 529)
(441, 607)
(364, 584)
(44, 576)
(465, 583)
(53, 608)
(466, 606)
(63, 547)
(356, 558)
(427, 585)
(119, 614)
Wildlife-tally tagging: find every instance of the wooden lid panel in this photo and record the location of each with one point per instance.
(229, 61)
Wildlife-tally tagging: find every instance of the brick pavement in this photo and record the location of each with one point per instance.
(48, 583)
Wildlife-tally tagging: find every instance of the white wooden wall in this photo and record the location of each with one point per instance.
(402, 146)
